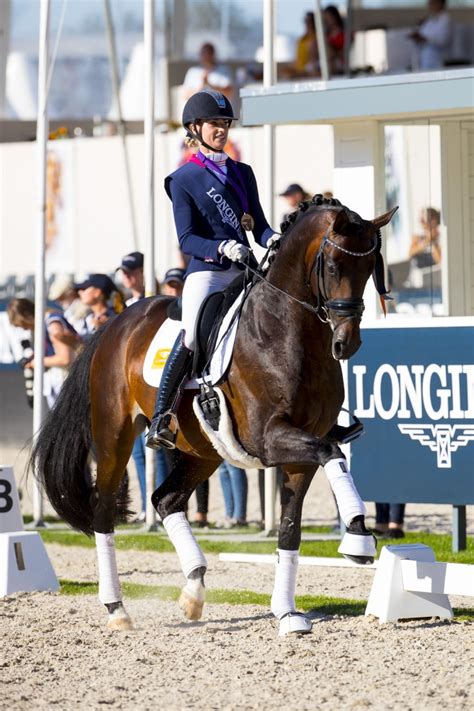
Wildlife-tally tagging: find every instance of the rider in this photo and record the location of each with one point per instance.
(215, 201)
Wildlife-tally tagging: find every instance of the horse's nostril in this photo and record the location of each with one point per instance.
(338, 348)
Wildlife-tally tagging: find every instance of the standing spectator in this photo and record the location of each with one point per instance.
(62, 291)
(104, 300)
(425, 247)
(389, 520)
(306, 60)
(132, 276)
(173, 282)
(433, 36)
(335, 38)
(294, 194)
(60, 338)
(234, 488)
(208, 75)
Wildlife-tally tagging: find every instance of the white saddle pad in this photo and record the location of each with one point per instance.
(161, 345)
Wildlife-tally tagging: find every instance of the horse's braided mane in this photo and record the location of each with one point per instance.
(317, 201)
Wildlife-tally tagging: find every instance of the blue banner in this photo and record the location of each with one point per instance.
(413, 388)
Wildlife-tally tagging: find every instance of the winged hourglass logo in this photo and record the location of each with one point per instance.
(442, 439)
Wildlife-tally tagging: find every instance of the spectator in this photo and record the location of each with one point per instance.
(335, 38)
(104, 300)
(208, 75)
(234, 489)
(433, 36)
(425, 248)
(306, 60)
(133, 281)
(62, 291)
(294, 194)
(59, 353)
(173, 282)
(389, 520)
(132, 276)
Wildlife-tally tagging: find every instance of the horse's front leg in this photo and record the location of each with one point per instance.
(170, 501)
(358, 544)
(293, 491)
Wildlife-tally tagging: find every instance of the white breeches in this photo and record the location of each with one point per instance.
(197, 286)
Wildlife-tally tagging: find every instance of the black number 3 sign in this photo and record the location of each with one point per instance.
(6, 501)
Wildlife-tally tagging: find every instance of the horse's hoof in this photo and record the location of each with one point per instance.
(191, 605)
(358, 547)
(294, 623)
(119, 621)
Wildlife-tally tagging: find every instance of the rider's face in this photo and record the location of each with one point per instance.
(215, 132)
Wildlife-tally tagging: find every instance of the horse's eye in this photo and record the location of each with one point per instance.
(331, 268)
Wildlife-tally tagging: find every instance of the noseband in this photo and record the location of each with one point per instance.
(345, 308)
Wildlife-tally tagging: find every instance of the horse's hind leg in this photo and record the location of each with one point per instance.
(170, 501)
(293, 491)
(113, 454)
(358, 544)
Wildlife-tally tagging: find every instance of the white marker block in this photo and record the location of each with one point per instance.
(10, 514)
(389, 600)
(24, 564)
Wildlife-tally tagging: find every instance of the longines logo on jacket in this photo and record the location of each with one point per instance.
(228, 215)
(435, 392)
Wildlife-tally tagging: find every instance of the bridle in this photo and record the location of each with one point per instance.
(350, 308)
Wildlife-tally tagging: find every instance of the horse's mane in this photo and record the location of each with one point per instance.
(317, 202)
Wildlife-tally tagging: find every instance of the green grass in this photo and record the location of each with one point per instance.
(159, 542)
(307, 603)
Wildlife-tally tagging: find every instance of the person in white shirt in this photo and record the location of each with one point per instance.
(208, 75)
(433, 36)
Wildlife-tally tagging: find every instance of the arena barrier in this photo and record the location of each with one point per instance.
(24, 562)
(410, 584)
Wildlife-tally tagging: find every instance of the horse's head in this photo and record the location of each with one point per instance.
(348, 254)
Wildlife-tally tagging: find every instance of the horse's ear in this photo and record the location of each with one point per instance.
(384, 219)
(342, 223)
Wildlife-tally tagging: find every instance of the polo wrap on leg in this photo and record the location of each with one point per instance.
(283, 597)
(189, 553)
(109, 585)
(348, 500)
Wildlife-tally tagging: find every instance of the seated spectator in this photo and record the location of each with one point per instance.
(103, 298)
(58, 355)
(433, 36)
(294, 194)
(425, 248)
(208, 75)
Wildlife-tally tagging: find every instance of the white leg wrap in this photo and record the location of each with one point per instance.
(109, 585)
(189, 553)
(348, 500)
(283, 597)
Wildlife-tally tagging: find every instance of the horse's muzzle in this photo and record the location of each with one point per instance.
(346, 340)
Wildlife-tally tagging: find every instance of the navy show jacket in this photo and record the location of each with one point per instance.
(207, 211)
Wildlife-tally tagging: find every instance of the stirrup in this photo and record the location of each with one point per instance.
(160, 435)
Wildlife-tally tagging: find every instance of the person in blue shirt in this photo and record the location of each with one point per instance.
(215, 203)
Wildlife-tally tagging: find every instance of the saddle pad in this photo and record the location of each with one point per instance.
(161, 345)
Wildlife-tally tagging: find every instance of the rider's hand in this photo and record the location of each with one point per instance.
(273, 240)
(234, 251)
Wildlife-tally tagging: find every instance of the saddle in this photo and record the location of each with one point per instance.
(211, 314)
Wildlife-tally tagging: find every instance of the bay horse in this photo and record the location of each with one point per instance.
(284, 391)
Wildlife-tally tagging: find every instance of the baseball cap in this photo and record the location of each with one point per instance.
(132, 261)
(99, 281)
(292, 189)
(60, 284)
(175, 274)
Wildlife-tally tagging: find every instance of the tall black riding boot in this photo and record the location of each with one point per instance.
(174, 374)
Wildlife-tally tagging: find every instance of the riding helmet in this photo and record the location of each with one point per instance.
(207, 104)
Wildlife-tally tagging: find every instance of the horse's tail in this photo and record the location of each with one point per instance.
(60, 453)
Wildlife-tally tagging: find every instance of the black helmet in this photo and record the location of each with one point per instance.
(207, 104)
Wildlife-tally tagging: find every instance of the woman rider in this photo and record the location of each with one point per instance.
(215, 202)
